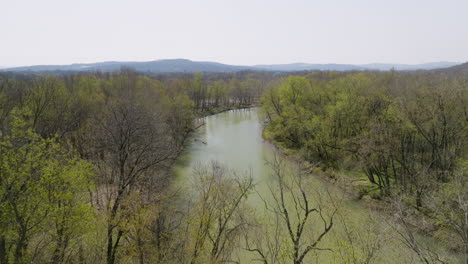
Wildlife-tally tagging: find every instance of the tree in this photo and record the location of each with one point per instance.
(133, 140)
(450, 206)
(292, 205)
(403, 227)
(218, 218)
(12, 94)
(42, 188)
(361, 242)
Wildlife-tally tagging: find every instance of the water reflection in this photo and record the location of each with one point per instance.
(233, 138)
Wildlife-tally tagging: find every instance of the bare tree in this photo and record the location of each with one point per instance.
(218, 217)
(402, 226)
(450, 207)
(265, 240)
(132, 141)
(359, 245)
(293, 205)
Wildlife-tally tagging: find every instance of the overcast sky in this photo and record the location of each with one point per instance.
(242, 32)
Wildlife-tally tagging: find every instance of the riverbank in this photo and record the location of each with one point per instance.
(200, 115)
(348, 181)
(234, 139)
(356, 186)
(221, 109)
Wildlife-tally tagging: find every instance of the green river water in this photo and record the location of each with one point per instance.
(234, 138)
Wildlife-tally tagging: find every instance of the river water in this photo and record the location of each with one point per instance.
(234, 139)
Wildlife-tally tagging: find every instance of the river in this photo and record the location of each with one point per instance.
(234, 138)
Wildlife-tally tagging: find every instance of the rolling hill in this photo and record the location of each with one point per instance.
(184, 65)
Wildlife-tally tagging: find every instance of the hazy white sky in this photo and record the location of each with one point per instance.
(244, 32)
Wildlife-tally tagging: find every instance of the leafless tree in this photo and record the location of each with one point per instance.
(219, 213)
(132, 141)
(403, 227)
(359, 245)
(293, 205)
(450, 207)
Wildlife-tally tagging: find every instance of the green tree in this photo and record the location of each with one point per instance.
(42, 188)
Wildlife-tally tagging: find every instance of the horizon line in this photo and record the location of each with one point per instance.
(245, 65)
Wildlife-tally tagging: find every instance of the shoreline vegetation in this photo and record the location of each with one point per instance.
(86, 158)
(198, 121)
(397, 138)
(345, 183)
(116, 135)
(339, 179)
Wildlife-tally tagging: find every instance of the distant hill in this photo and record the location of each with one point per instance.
(351, 67)
(459, 68)
(183, 65)
(174, 65)
(310, 67)
(408, 67)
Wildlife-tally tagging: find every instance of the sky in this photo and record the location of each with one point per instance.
(239, 32)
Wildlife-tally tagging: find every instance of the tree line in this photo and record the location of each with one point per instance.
(405, 133)
(81, 152)
(85, 166)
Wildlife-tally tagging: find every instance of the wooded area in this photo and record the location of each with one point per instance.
(86, 158)
(406, 133)
(85, 165)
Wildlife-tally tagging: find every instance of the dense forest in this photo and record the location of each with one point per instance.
(404, 134)
(86, 158)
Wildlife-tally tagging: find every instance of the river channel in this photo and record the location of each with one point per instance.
(234, 139)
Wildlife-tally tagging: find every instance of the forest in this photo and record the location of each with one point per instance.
(86, 167)
(400, 136)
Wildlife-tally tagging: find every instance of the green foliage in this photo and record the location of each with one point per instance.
(403, 132)
(404, 136)
(42, 192)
